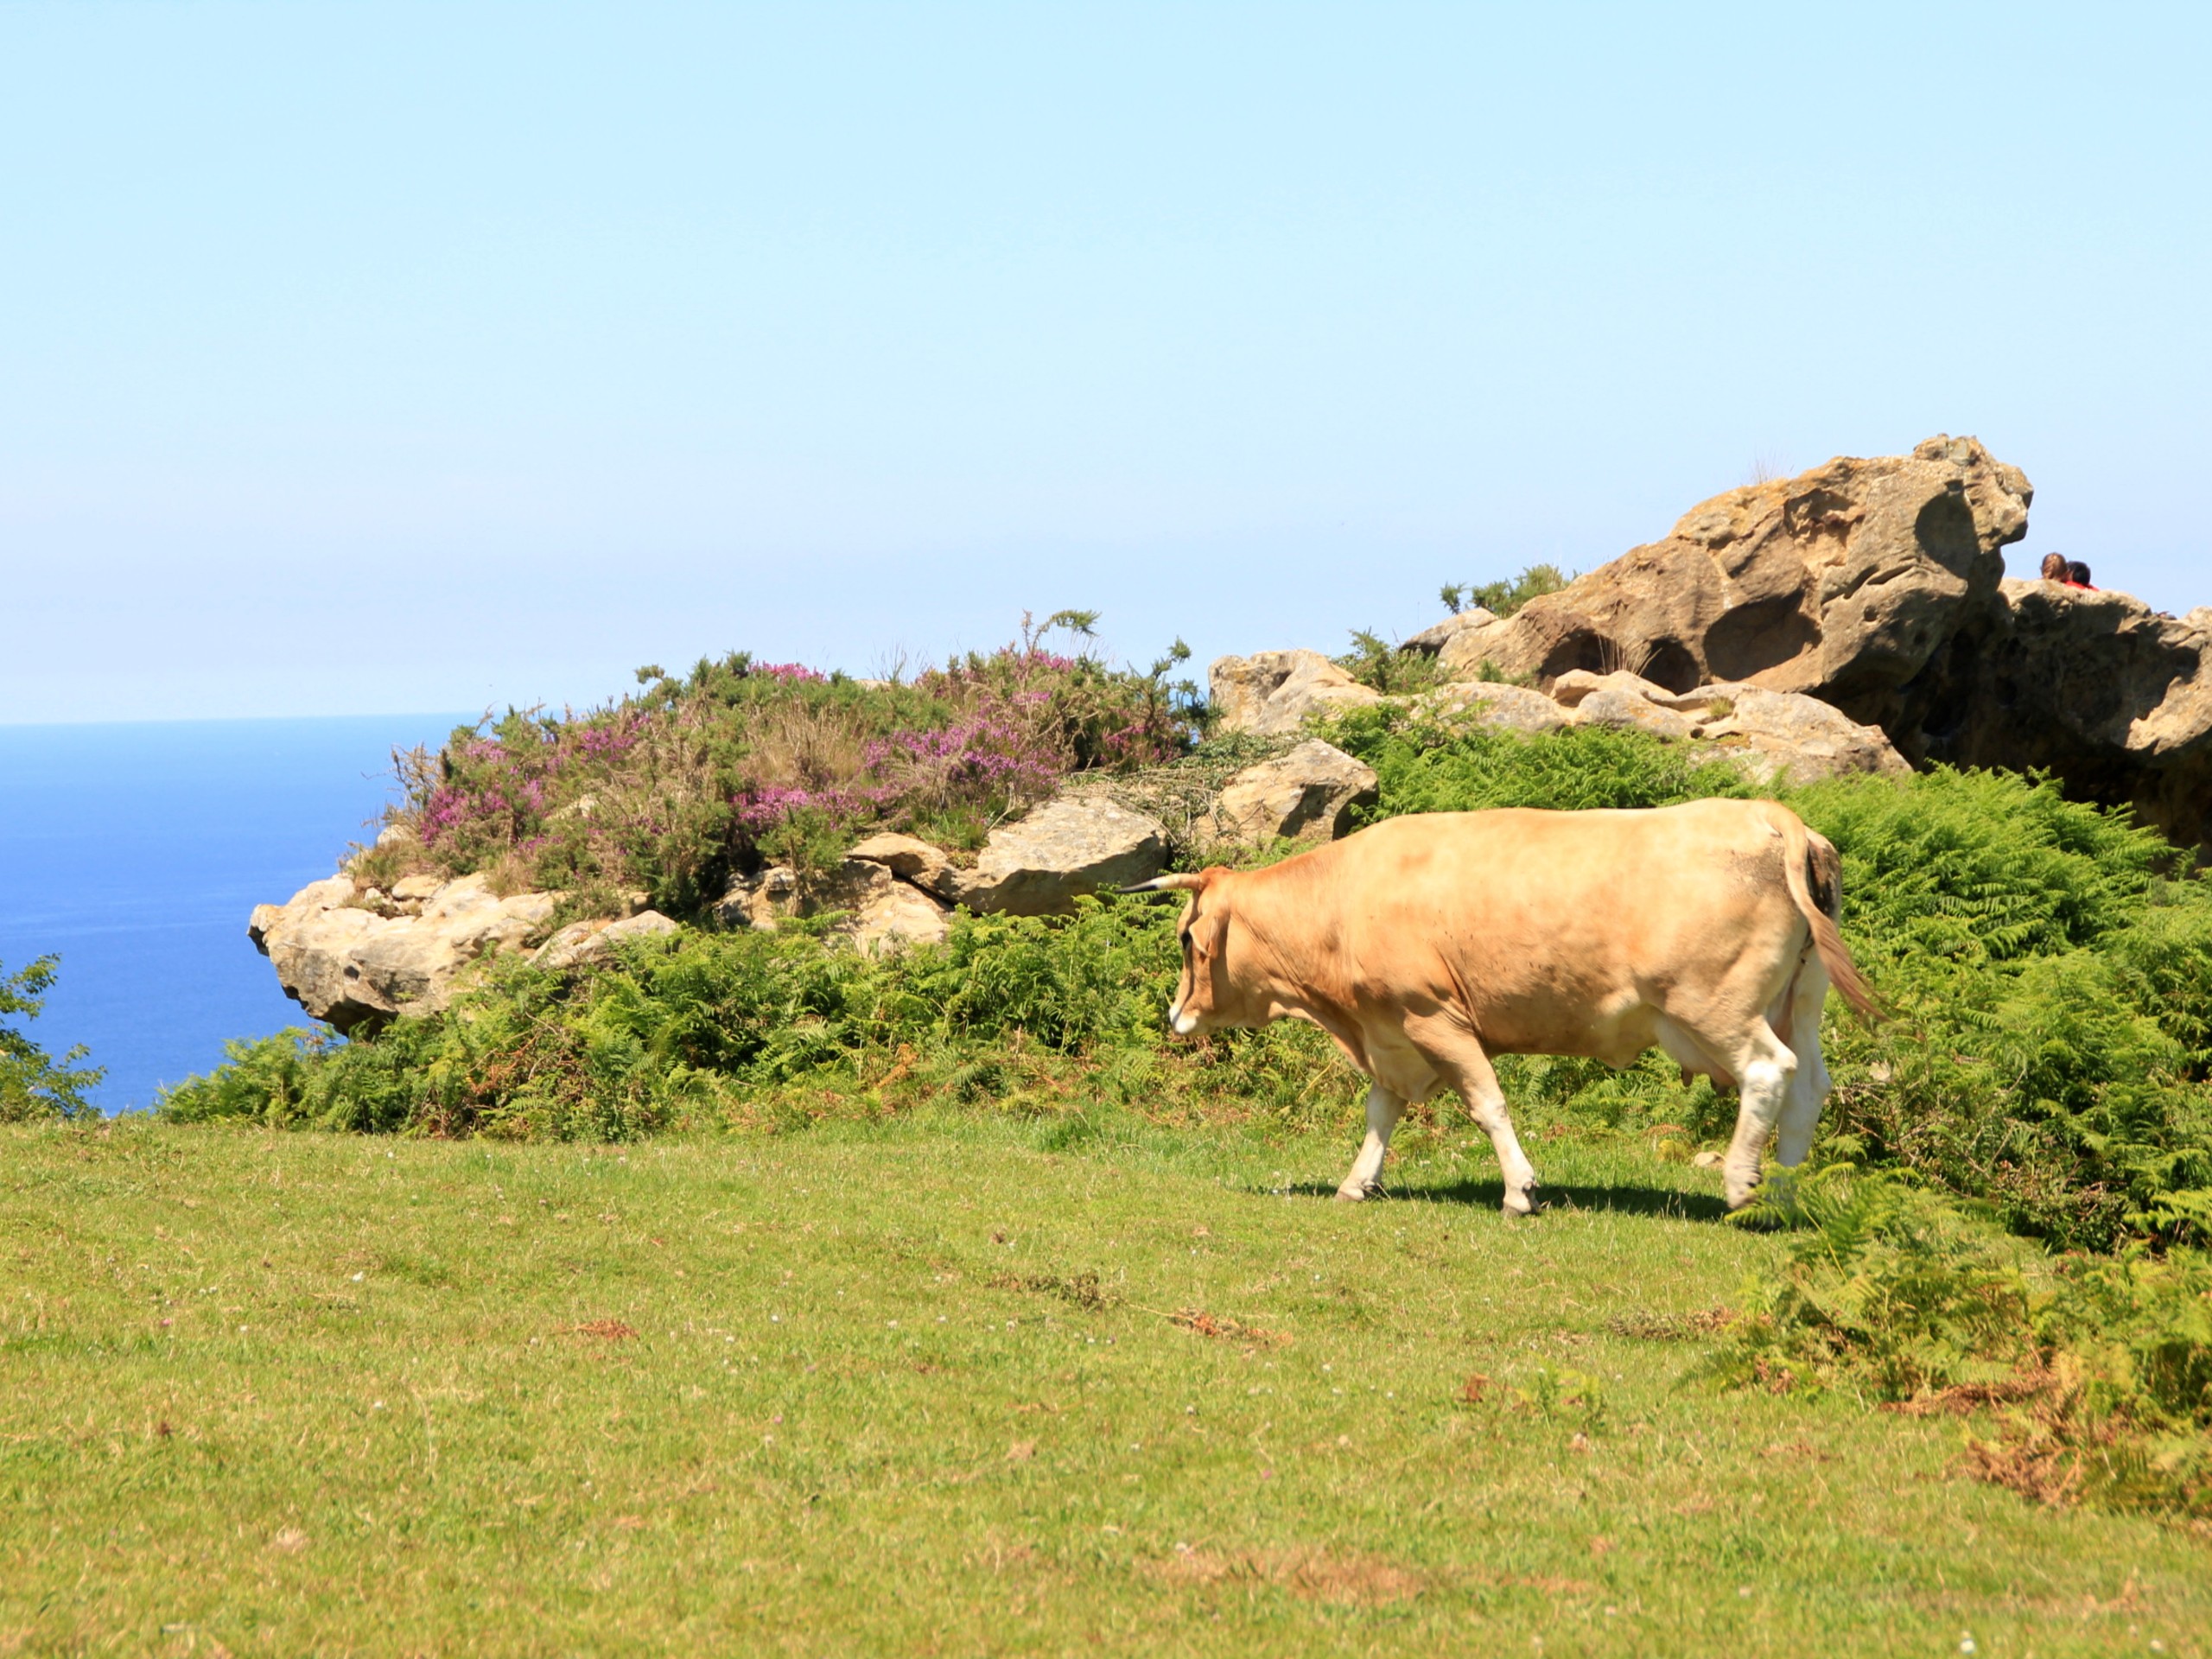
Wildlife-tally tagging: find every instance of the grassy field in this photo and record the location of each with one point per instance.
(968, 1387)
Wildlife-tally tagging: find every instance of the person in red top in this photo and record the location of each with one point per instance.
(2077, 576)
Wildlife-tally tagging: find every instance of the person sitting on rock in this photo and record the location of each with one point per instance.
(2055, 567)
(2077, 576)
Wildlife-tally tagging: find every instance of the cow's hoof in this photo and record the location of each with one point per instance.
(1350, 1194)
(1519, 1204)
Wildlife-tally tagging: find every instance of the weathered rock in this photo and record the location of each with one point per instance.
(1783, 736)
(2111, 696)
(902, 915)
(1775, 735)
(1842, 583)
(1271, 693)
(1569, 689)
(588, 941)
(1485, 706)
(909, 859)
(577, 941)
(1431, 640)
(1306, 794)
(1497, 644)
(1065, 849)
(776, 895)
(646, 923)
(873, 906)
(1616, 706)
(352, 967)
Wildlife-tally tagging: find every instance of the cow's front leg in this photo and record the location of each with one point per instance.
(1452, 1050)
(1383, 1110)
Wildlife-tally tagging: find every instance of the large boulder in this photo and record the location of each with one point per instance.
(354, 967)
(1270, 694)
(1841, 584)
(1306, 794)
(1066, 847)
(2112, 696)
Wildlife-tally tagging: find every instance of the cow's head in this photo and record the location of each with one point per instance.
(1204, 993)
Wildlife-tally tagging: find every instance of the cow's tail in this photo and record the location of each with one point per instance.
(1814, 874)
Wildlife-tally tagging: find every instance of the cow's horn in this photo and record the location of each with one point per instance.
(1178, 882)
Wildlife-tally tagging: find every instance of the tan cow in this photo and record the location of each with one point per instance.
(1426, 945)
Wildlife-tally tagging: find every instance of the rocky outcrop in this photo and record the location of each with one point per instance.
(2110, 695)
(1066, 849)
(356, 956)
(1783, 736)
(1841, 583)
(1878, 587)
(1306, 794)
(1270, 694)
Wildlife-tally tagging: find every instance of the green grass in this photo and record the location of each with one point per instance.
(295, 1393)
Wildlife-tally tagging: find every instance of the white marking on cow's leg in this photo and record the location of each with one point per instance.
(1455, 1053)
(1488, 1104)
(1383, 1110)
(1801, 1113)
(1767, 1069)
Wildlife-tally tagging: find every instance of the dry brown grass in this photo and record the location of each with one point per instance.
(1226, 1330)
(1312, 1574)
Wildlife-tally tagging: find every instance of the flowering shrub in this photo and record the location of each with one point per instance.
(739, 762)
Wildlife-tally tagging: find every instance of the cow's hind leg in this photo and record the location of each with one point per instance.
(1766, 1071)
(1809, 1090)
(1459, 1057)
(1383, 1110)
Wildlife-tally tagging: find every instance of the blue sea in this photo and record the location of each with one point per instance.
(135, 852)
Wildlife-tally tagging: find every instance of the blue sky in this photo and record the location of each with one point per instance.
(371, 358)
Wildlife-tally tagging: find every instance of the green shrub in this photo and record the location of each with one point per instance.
(2049, 996)
(32, 1083)
(1888, 1289)
(727, 1027)
(1426, 765)
(1375, 662)
(2097, 1371)
(1507, 596)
